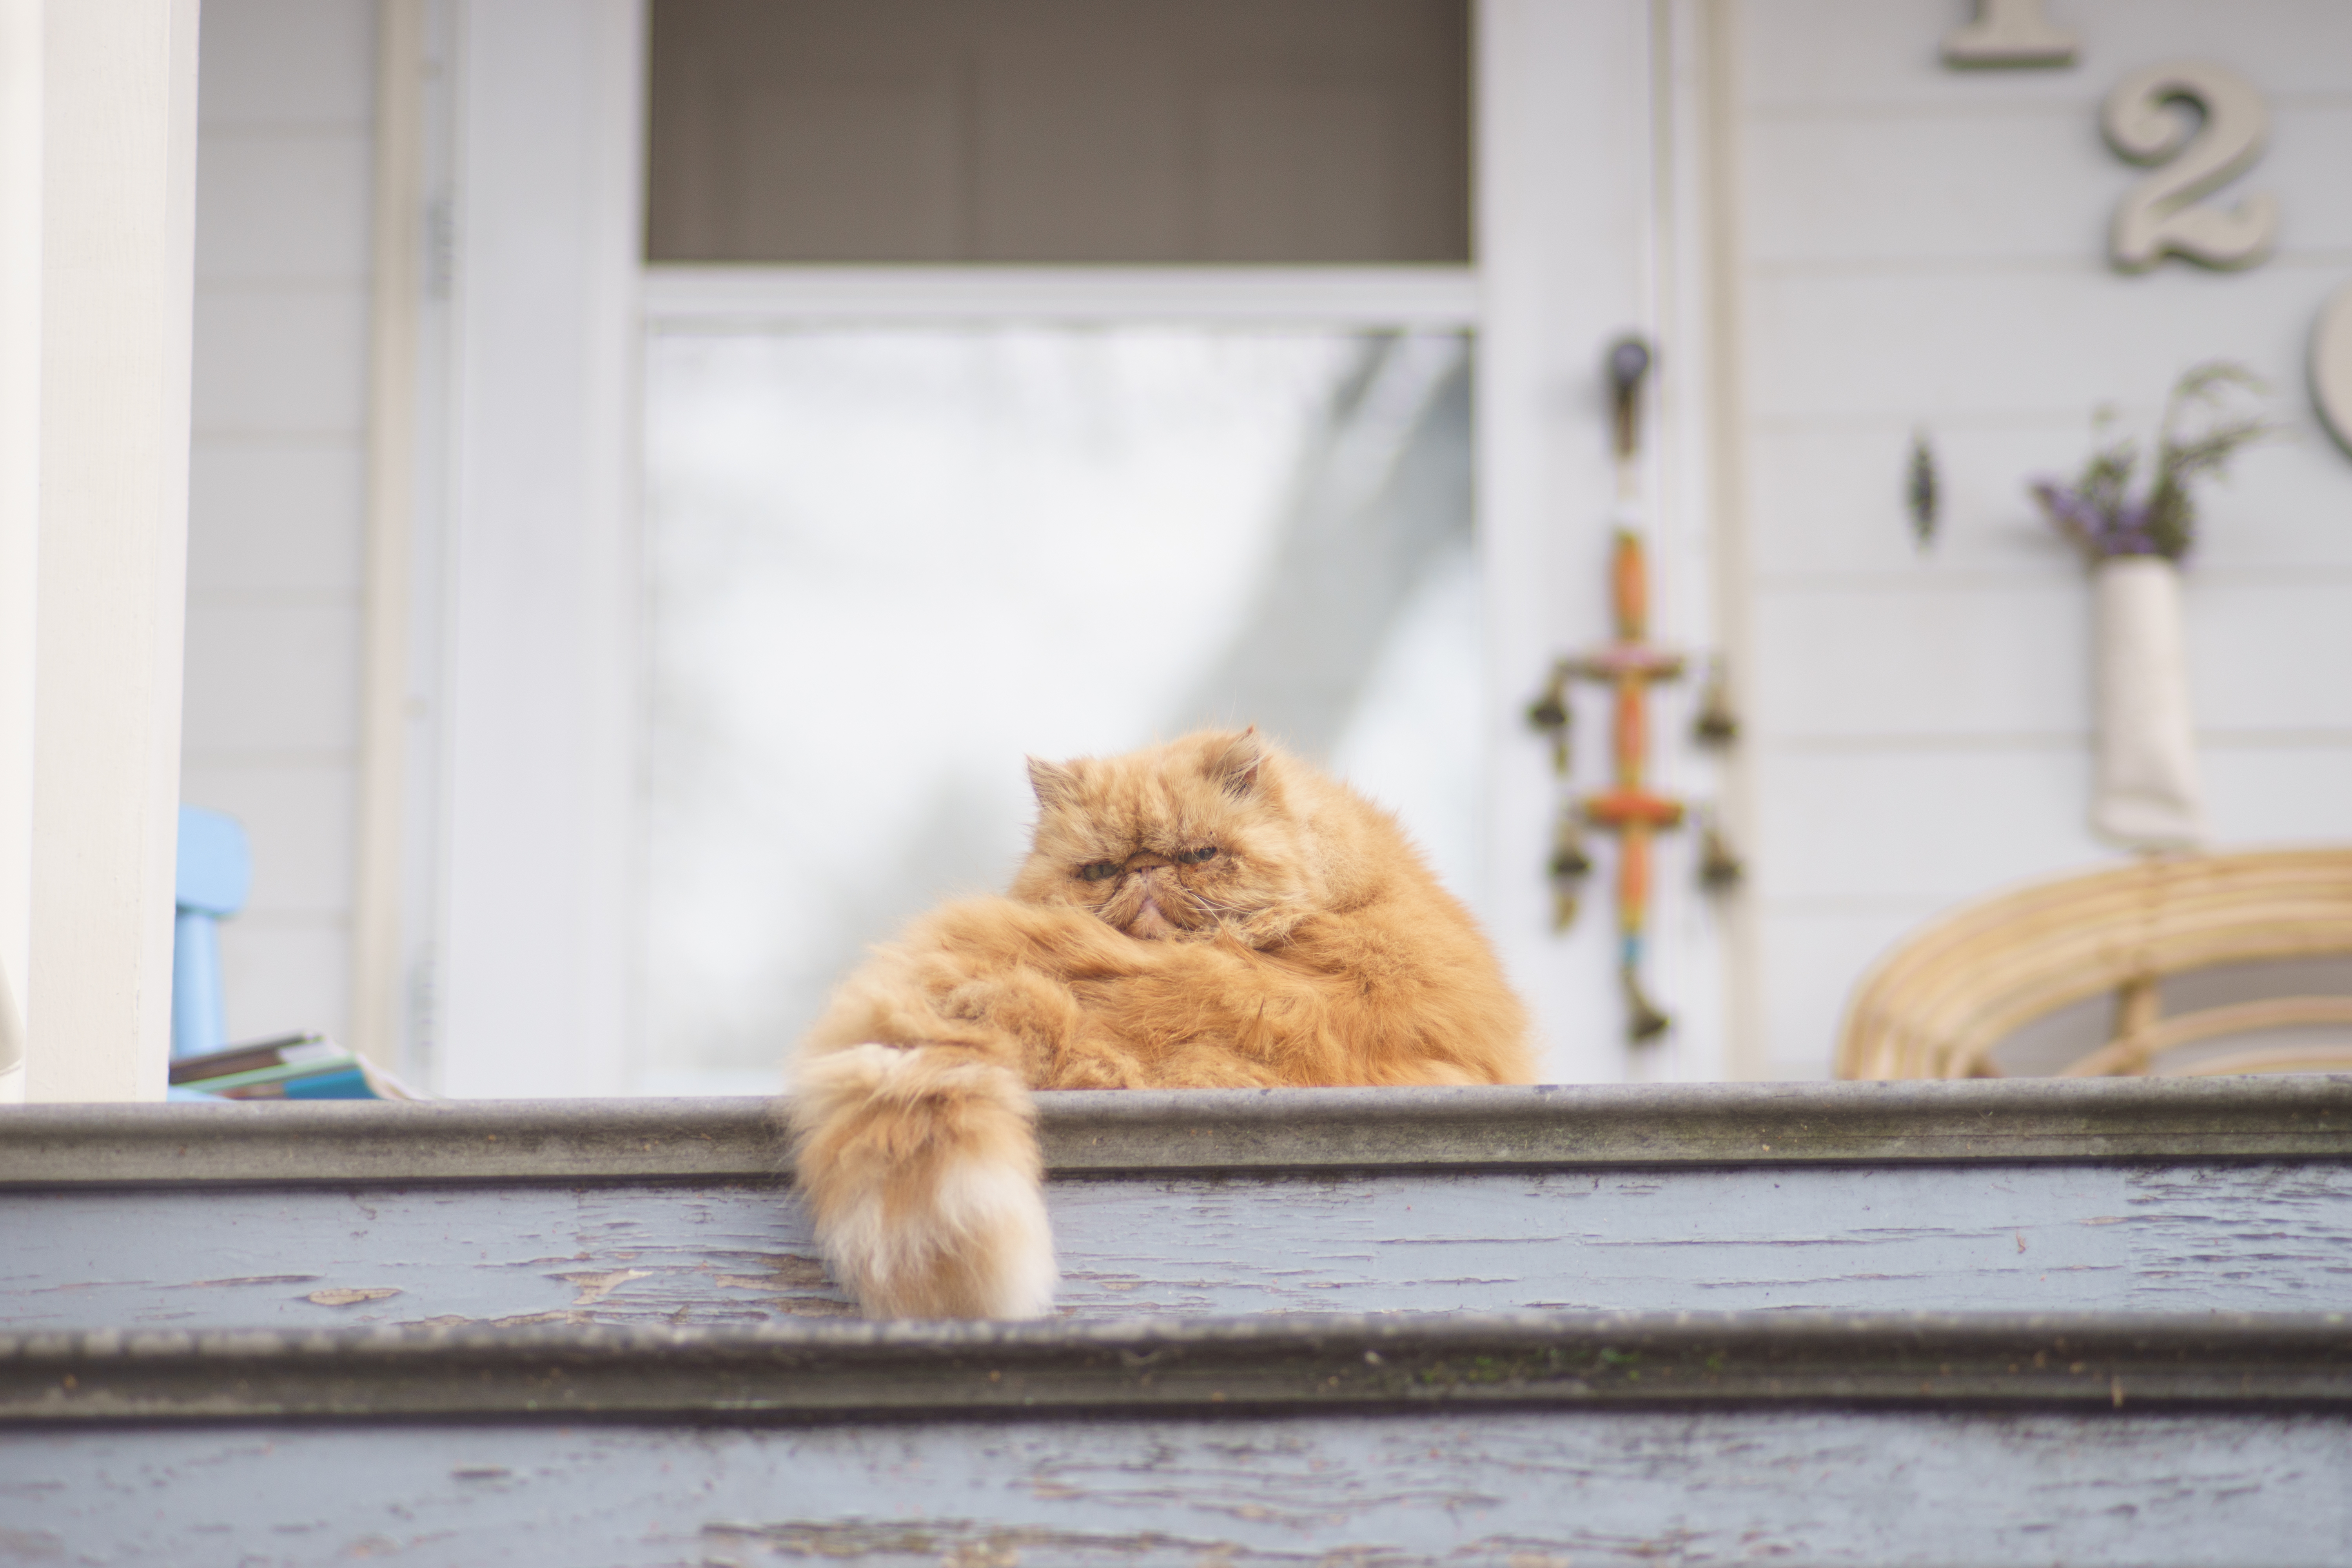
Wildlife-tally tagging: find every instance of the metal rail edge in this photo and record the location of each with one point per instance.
(904, 1371)
(1177, 1132)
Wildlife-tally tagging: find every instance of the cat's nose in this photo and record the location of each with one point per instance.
(1145, 860)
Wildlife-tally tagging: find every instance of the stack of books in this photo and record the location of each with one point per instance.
(297, 1067)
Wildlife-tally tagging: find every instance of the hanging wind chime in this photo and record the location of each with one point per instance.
(1629, 664)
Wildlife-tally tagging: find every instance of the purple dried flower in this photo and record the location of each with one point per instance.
(2097, 511)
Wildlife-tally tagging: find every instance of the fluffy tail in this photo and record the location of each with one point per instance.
(920, 1165)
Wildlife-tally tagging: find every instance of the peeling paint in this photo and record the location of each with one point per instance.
(1627, 1490)
(2275, 1236)
(595, 1288)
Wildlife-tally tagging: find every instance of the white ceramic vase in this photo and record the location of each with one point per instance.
(2145, 793)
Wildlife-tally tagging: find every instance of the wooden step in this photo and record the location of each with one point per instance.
(1989, 1322)
(2141, 1196)
(1346, 1363)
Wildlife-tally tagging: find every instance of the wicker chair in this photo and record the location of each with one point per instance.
(1938, 1005)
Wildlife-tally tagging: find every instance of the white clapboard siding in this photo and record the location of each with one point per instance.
(278, 483)
(1920, 248)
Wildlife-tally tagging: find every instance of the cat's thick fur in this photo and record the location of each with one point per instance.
(1308, 946)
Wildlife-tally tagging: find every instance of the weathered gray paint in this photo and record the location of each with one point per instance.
(1579, 1126)
(1509, 1490)
(2270, 1236)
(1159, 1367)
(555, 1218)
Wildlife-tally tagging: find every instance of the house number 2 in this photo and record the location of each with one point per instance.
(2163, 215)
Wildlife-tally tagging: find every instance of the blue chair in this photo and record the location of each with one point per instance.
(215, 876)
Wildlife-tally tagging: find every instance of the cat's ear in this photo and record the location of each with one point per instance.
(1237, 766)
(1053, 782)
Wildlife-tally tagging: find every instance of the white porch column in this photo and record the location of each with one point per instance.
(118, 214)
(20, 490)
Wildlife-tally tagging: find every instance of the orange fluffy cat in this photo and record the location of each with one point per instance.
(1211, 913)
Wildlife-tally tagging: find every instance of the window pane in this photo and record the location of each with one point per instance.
(885, 565)
(1059, 130)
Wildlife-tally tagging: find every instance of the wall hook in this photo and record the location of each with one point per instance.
(1629, 364)
(1717, 724)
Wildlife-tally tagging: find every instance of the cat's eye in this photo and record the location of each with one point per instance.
(1195, 856)
(1099, 870)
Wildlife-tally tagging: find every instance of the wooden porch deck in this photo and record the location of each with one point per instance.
(1924, 1322)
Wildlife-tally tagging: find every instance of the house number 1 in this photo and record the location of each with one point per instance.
(2163, 215)
(2008, 34)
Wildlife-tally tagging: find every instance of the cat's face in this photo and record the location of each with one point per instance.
(1177, 842)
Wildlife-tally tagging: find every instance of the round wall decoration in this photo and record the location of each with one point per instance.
(2331, 365)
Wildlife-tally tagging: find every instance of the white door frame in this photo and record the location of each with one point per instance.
(523, 573)
(1592, 217)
